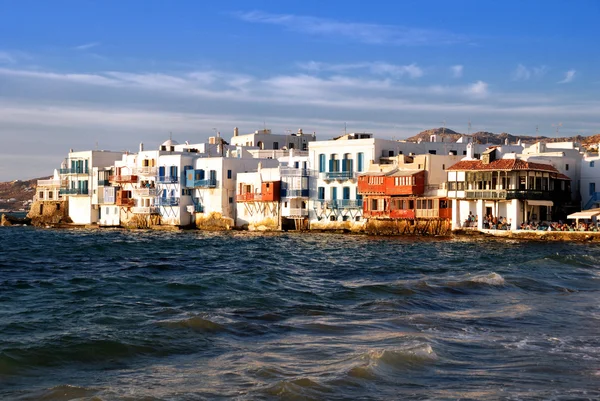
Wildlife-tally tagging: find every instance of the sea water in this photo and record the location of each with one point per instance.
(142, 315)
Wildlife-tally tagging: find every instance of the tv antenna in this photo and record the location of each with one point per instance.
(557, 129)
(469, 131)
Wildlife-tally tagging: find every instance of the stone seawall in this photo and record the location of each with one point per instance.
(439, 227)
(43, 213)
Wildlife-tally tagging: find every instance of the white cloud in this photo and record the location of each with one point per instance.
(360, 32)
(569, 76)
(7, 58)
(377, 67)
(87, 46)
(478, 89)
(523, 73)
(457, 71)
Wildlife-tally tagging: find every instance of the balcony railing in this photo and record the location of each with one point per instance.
(294, 193)
(293, 212)
(296, 172)
(248, 197)
(74, 171)
(145, 210)
(48, 183)
(145, 171)
(73, 191)
(103, 183)
(522, 194)
(123, 178)
(338, 175)
(340, 203)
(167, 180)
(168, 201)
(125, 202)
(142, 192)
(208, 183)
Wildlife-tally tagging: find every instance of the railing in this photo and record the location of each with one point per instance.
(248, 197)
(123, 178)
(338, 175)
(595, 198)
(427, 212)
(103, 183)
(168, 201)
(208, 183)
(141, 192)
(340, 203)
(146, 171)
(294, 193)
(125, 202)
(73, 191)
(48, 183)
(145, 210)
(167, 180)
(74, 171)
(522, 194)
(295, 172)
(294, 212)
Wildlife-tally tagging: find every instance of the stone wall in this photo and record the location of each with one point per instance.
(213, 222)
(44, 213)
(441, 227)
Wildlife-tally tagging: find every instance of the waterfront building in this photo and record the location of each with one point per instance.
(258, 199)
(412, 187)
(590, 181)
(505, 185)
(77, 173)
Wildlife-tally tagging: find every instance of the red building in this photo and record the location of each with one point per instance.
(399, 194)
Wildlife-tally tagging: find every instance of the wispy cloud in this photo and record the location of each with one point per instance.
(569, 76)
(523, 73)
(378, 68)
(478, 89)
(355, 31)
(7, 58)
(457, 71)
(87, 46)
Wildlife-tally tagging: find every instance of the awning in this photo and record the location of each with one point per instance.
(539, 203)
(585, 214)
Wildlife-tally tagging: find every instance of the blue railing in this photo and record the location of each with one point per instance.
(168, 201)
(167, 179)
(73, 191)
(208, 183)
(340, 203)
(595, 198)
(338, 175)
(74, 171)
(294, 193)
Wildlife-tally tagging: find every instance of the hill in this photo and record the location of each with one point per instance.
(17, 195)
(485, 137)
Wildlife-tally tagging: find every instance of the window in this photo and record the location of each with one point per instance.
(296, 164)
(322, 163)
(291, 145)
(275, 145)
(107, 211)
(345, 218)
(332, 218)
(361, 161)
(333, 193)
(592, 188)
(230, 199)
(591, 164)
(432, 152)
(321, 193)
(50, 195)
(229, 174)
(567, 167)
(58, 206)
(41, 196)
(346, 193)
(334, 164)
(373, 204)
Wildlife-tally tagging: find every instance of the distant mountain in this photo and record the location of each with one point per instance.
(14, 195)
(484, 137)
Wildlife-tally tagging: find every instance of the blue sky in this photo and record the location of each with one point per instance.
(74, 74)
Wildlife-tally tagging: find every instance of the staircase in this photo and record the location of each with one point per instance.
(594, 199)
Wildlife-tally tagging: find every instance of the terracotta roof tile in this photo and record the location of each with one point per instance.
(502, 164)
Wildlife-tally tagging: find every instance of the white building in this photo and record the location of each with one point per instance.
(258, 199)
(265, 140)
(590, 181)
(77, 176)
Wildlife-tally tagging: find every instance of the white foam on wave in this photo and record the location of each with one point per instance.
(489, 279)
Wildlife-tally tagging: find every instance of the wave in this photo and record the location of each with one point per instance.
(62, 393)
(195, 323)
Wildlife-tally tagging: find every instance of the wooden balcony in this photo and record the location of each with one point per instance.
(129, 202)
(249, 197)
(123, 179)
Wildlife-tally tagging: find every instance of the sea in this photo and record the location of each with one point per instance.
(192, 315)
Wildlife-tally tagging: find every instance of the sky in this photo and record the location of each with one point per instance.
(109, 74)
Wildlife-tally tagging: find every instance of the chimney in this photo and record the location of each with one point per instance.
(141, 146)
(470, 151)
(236, 131)
(300, 131)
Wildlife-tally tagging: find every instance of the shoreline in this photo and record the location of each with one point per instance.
(521, 235)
